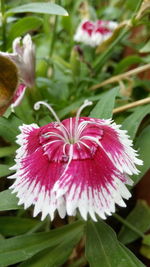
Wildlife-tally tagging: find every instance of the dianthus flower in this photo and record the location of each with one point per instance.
(94, 33)
(24, 58)
(80, 163)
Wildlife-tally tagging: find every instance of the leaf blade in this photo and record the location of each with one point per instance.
(140, 218)
(142, 145)
(103, 109)
(8, 201)
(136, 117)
(39, 7)
(109, 254)
(23, 26)
(17, 249)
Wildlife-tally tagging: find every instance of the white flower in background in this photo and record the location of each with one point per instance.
(24, 58)
(94, 33)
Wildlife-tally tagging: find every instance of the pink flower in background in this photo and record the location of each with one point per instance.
(94, 33)
(24, 57)
(79, 164)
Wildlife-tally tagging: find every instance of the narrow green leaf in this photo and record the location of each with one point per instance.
(145, 248)
(132, 122)
(129, 254)
(11, 226)
(40, 7)
(142, 145)
(9, 128)
(17, 249)
(139, 217)
(127, 62)
(55, 256)
(4, 170)
(146, 240)
(8, 201)
(145, 48)
(103, 248)
(7, 151)
(23, 26)
(105, 56)
(104, 107)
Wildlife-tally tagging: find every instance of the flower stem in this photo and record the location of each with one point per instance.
(3, 24)
(129, 225)
(107, 53)
(118, 78)
(132, 105)
(54, 34)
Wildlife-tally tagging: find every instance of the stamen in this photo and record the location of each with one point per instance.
(63, 129)
(85, 104)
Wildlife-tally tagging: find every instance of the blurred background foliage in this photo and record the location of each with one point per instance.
(67, 73)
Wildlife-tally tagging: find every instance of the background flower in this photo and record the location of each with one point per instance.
(94, 33)
(24, 58)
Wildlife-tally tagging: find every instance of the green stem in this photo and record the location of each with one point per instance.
(105, 55)
(3, 24)
(53, 36)
(7, 151)
(130, 226)
(53, 39)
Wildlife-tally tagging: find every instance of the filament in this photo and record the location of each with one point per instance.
(37, 107)
(85, 104)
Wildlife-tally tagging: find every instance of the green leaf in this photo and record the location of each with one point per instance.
(127, 62)
(7, 151)
(21, 110)
(145, 48)
(23, 26)
(55, 256)
(8, 201)
(43, 8)
(146, 240)
(145, 249)
(17, 249)
(4, 170)
(10, 226)
(103, 248)
(136, 118)
(9, 128)
(139, 217)
(142, 145)
(104, 57)
(103, 109)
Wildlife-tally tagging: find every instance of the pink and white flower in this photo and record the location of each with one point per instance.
(94, 33)
(24, 58)
(79, 164)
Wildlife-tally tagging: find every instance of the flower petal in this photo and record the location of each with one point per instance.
(35, 175)
(93, 186)
(116, 143)
(18, 96)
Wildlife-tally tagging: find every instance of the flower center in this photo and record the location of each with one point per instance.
(72, 141)
(72, 136)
